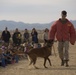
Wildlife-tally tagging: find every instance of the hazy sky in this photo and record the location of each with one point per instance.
(36, 11)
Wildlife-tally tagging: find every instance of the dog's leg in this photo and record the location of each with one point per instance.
(45, 62)
(34, 62)
(29, 67)
(30, 62)
(49, 61)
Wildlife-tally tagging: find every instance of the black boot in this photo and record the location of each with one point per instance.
(66, 61)
(62, 62)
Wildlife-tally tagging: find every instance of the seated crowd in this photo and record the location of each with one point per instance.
(11, 52)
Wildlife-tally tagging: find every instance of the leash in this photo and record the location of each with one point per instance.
(54, 50)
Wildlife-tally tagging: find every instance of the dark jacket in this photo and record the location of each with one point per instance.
(34, 37)
(17, 38)
(26, 35)
(6, 36)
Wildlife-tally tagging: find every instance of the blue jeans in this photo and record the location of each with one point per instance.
(16, 58)
(3, 63)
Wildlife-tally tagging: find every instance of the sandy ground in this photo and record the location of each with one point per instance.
(22, 67)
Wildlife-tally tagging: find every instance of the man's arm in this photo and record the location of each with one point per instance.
(72, 34)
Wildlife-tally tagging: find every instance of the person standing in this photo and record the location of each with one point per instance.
(16, 37)
(45, 37)
(26, 36)
(34, 35)
(6, 35)
(65, 33)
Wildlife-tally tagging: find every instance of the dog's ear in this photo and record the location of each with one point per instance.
(47, 41)
(50, 41)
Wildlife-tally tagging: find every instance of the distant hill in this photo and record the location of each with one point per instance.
(21, 25)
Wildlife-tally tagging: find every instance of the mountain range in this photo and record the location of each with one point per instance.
(12, 25)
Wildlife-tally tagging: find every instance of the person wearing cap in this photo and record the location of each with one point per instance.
(64, 31)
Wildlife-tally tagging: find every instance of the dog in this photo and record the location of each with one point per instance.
(43, 52)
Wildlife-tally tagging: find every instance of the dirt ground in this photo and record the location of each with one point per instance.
(21, 68)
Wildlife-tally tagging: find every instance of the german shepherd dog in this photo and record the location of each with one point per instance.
(43, 52)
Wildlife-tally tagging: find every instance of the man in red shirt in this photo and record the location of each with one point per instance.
(64, 31)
